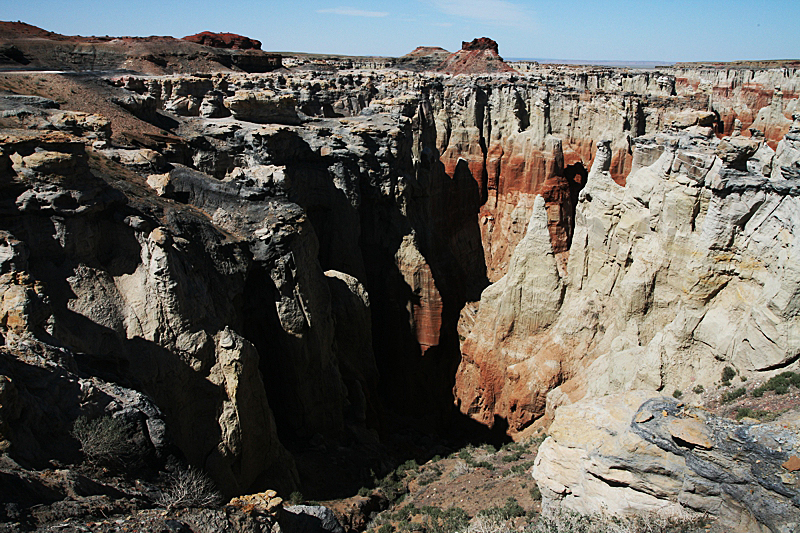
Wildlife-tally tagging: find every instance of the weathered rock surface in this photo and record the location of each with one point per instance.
(680, 272)
(27, 46)
(295, 255)
(639, 452)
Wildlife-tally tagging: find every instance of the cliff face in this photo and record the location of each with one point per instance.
(304, 252)
(670, 278)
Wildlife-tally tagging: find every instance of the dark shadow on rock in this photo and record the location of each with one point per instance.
(308, 519)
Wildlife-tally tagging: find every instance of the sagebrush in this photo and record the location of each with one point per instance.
(189, 487)
(104, 440)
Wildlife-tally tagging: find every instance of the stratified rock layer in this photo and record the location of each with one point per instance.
(686, 269)
(475, 57)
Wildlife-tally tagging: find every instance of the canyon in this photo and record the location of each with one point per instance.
(276, 272)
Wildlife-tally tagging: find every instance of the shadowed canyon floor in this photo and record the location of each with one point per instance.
(304, 279)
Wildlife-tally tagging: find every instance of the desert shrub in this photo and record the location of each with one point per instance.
(565, 521)
(677, 393)
(466, 455)
(516, 470)
(779, 384)
(521, 467)
(407, 467)
(364, 491)
(727, 374)
(189, 487)
(734, 394)
(511, 509)
(513, 447)
(104, 440)
(699, 389)
(515, 456)
(743, 412)
(460, 468)
(429, 475)
(386, 528)
(448, 520)
(392, 487)
(296, 498)
(536, 494)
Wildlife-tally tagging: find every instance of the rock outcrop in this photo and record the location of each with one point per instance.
(224, 40)
(669, 278)
(422, 58)
(638, 452)
(29, 47)
(304, 252)
(475, 57)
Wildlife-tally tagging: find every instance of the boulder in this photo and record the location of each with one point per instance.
(637, 452)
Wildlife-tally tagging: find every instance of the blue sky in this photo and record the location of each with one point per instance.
(643, 30)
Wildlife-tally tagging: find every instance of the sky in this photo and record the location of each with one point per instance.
(626, 30)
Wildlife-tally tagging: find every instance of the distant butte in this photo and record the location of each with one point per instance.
(224, 40)
(476, 57)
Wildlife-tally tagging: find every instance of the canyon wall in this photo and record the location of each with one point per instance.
(686, 269)
(299, 254)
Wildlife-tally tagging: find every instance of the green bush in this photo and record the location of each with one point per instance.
(296, 498)
(536, 494)
(699, 389)
(483, 464)
(734, 394)
(727, 374)
(392, 487)
(743, 412)
(778, 384)
(444, 521)
(676, 393)
(515, 455)
(364, 491)
(407, 467)
(511, 509)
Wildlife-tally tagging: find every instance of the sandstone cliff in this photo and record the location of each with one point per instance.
(671, 277)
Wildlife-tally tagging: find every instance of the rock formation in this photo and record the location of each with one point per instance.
(26, 46)
(250, 267)
(639, 452)
(224, 40)
(422, 58)
(669, 278)
(475, 57)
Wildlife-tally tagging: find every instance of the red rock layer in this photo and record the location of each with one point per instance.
(476, 57)
(743, 101)
(224, 40)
